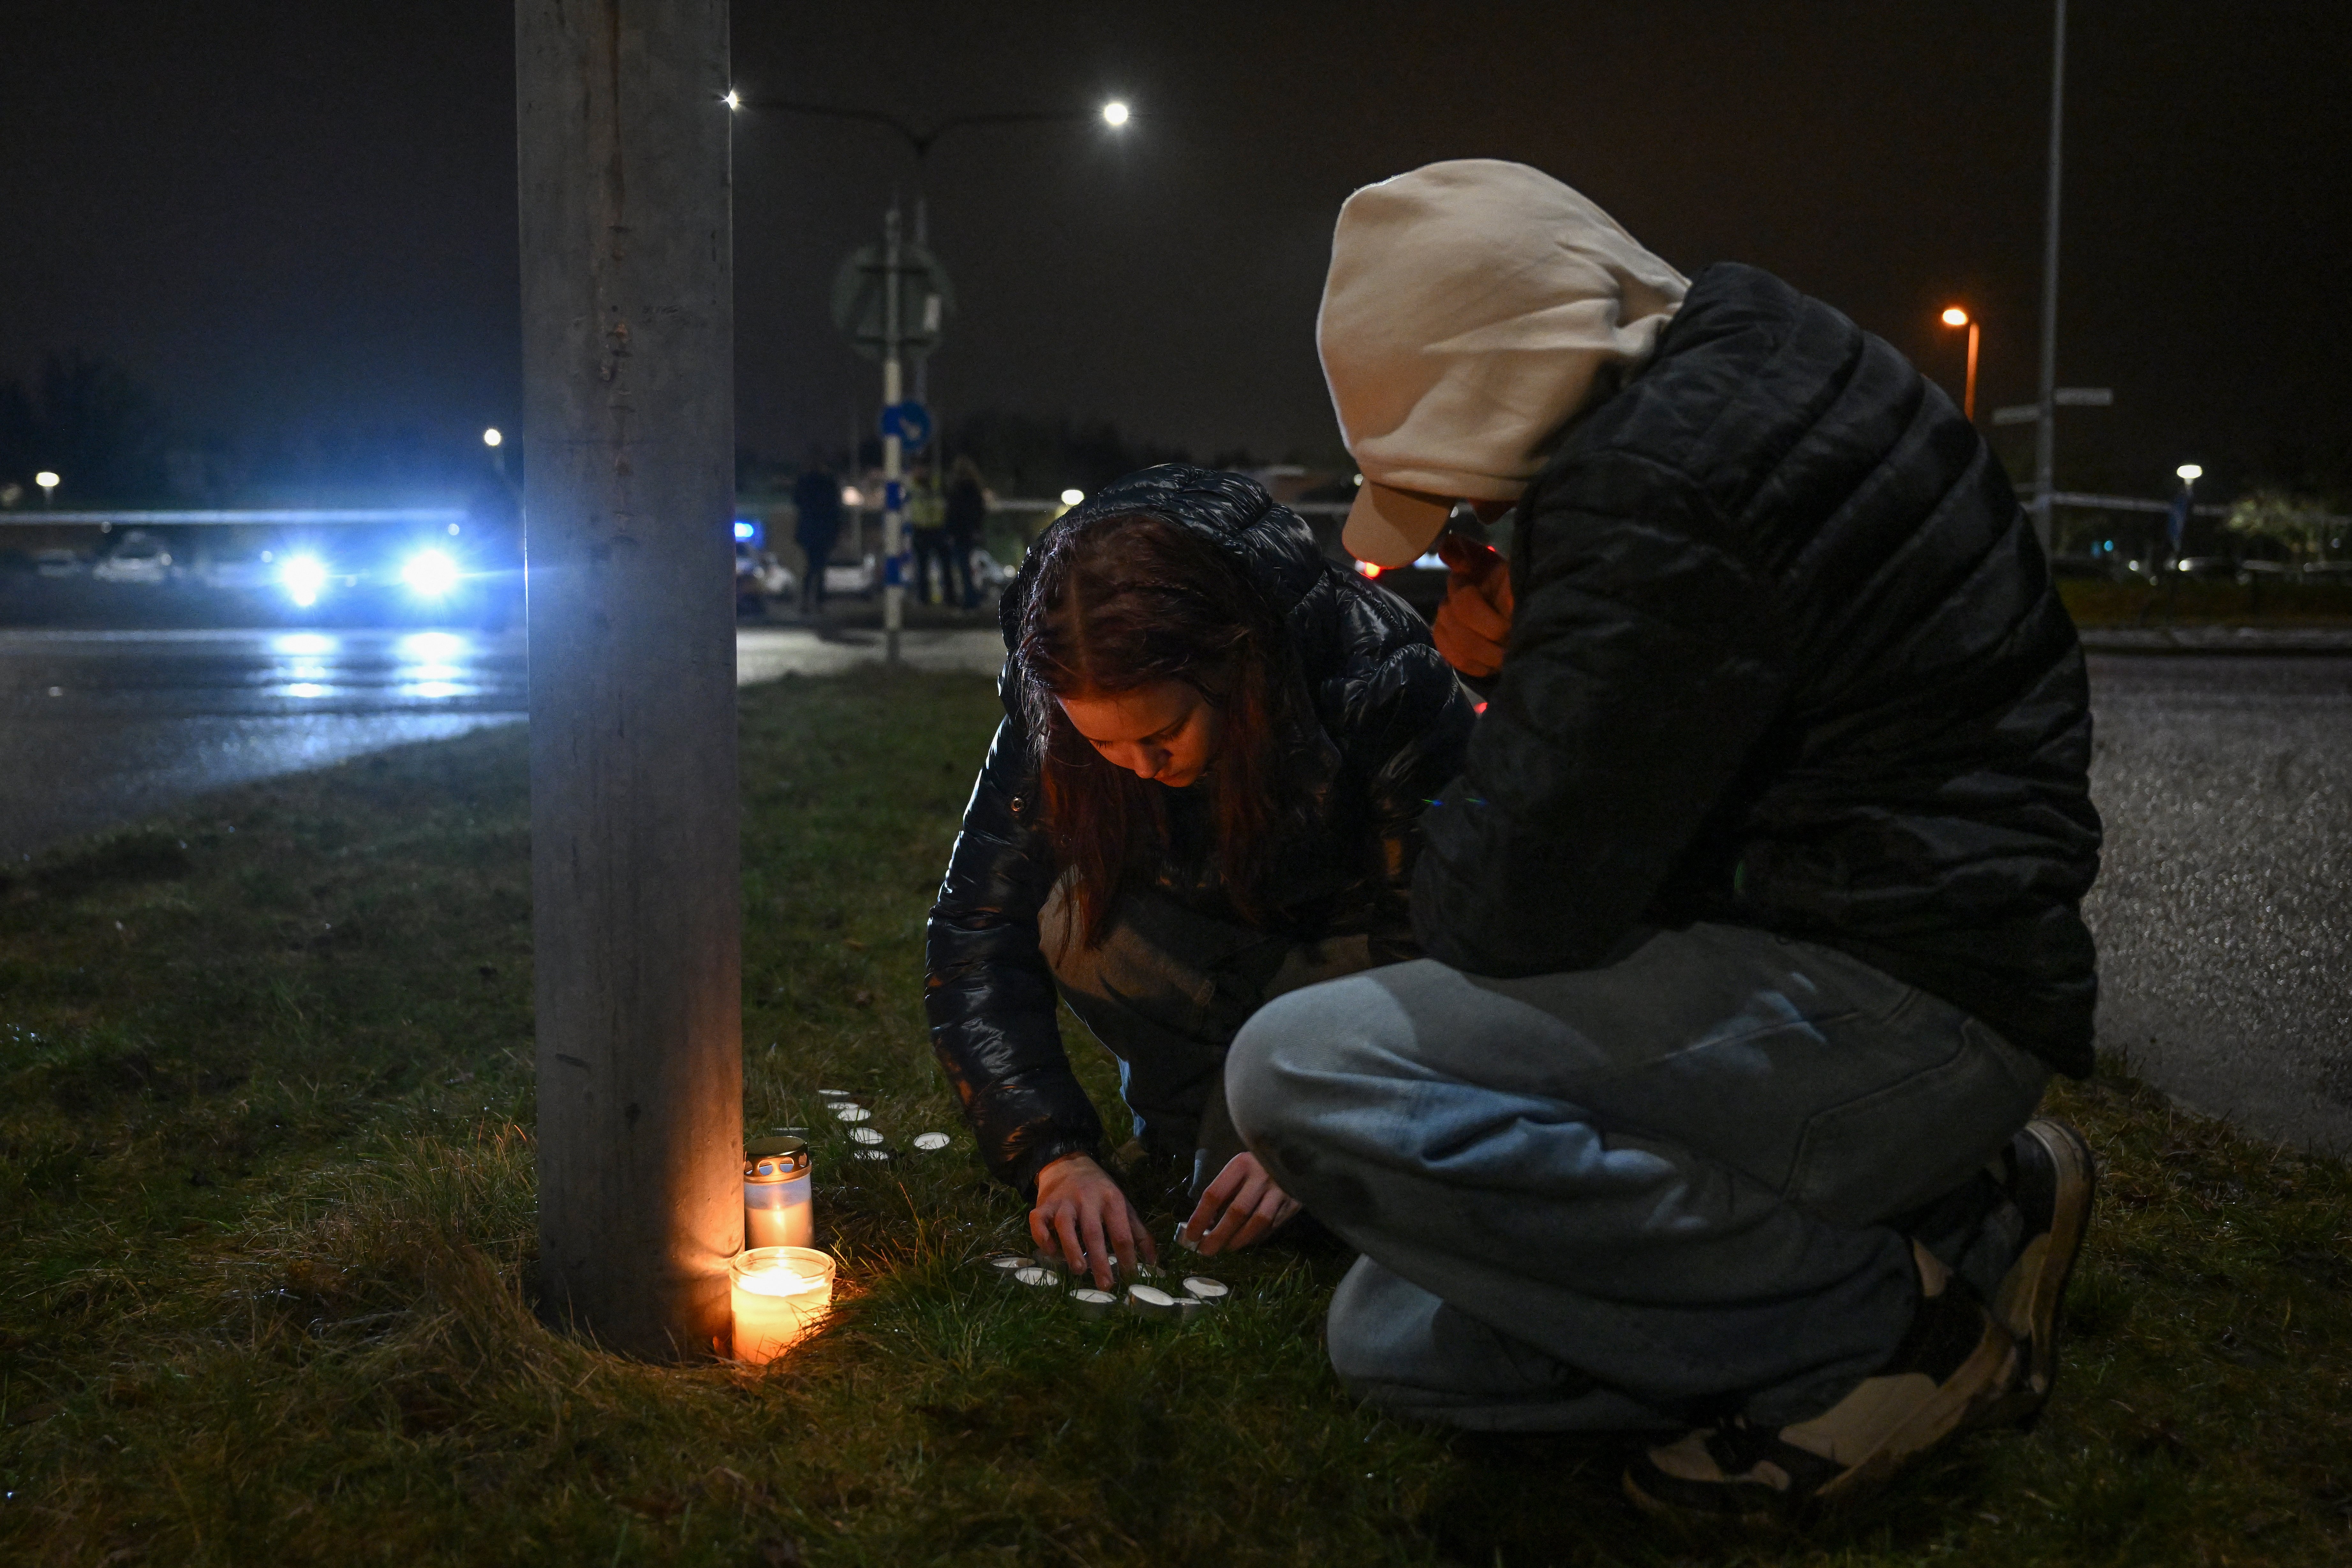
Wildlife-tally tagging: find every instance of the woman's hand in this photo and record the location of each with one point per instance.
(1243, 1207)
(1084, 1214)
(1474, 621)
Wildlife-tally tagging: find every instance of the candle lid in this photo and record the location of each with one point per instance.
(773, 1159)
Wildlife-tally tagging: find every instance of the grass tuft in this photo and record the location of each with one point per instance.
(267, 1249)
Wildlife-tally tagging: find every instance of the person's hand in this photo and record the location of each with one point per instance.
(1243, 1207)
(1474, 621)
(1084, 1214)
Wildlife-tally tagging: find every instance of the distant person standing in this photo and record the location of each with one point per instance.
(967, 516)
(817, 498)
(926, 518)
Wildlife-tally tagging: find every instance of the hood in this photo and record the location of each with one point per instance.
(1473, 309)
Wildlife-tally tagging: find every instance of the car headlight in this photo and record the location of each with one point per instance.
(430, 573)
(304, 577)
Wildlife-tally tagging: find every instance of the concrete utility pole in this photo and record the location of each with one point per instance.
(628, 420)
(2045, 435)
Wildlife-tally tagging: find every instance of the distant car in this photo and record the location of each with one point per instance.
(55, 562)
(759, 577)
(140, 558)
(860, 578)
(246, 569)
(987, 575)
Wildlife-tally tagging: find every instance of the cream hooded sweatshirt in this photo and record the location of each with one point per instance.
(1472, 310)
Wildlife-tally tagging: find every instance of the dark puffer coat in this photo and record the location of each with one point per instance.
(1397, 724)
(1786, 655)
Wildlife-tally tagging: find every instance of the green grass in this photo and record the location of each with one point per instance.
(266, 1253)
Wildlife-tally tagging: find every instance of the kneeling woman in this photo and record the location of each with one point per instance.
(1217, 747)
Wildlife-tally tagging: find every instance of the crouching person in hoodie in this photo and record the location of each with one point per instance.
(1752, 922)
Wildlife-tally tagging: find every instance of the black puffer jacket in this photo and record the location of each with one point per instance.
(1785, 654)
(1397, 723)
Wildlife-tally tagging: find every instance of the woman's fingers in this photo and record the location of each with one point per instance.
(1237, 1212)
(1120, 1233)
(1273, 1209)
(1218, 1194)
(1091, 1230)
(1143, 1238)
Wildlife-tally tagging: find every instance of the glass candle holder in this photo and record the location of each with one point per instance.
(781, 1294)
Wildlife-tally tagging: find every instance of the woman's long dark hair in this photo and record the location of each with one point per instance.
(1126, 600)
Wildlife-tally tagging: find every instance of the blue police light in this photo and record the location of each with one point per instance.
(429, 573)
(304, 577)
(743, 529)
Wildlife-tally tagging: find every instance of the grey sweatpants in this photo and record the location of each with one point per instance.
(1626, 1197)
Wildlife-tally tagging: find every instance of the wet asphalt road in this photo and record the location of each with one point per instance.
(2224, 906)
(101, 728)
(2224, 910)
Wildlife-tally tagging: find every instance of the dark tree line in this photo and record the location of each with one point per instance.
(87, 420)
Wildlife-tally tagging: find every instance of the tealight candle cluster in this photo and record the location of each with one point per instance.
(873, 1144)
(1043, 1271)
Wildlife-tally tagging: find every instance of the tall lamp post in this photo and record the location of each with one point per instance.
(1956, 317)
(1114, 115)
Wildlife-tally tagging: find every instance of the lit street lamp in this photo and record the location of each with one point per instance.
(1956, 317)
(48, 481)
(1113, 114)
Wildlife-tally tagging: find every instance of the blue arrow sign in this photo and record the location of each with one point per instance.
(910, 422)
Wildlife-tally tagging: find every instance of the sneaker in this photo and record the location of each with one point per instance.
(1955, 1362)
(2048, 1172)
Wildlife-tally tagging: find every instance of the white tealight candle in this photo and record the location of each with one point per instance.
(864, 1135)
(853, 1113)
(1093, 1303)
(927, 1141)
(1032, 1275)
(1151, 1302)
(781, 1294)
(1200, 1287)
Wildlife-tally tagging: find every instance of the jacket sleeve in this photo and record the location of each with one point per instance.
(1643, 665)
(988, 991)
(1405, 729)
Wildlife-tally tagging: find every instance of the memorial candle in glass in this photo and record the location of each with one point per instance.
(781, 1293)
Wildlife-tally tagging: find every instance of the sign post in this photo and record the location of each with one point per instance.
(893, 302)
(894, 471)
(628, 417)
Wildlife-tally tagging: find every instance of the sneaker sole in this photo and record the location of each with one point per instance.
(1959, 1403)
(2032, 1310)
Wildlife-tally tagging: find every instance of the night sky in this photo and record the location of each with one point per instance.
(296, 216)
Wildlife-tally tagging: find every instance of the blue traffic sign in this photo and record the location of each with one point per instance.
(910, 422)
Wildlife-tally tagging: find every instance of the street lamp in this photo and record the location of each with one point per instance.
(2188, 473)
(48, 481)
(1113, 114)
(1956, 317)
(491, 437)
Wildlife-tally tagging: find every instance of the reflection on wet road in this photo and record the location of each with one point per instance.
(101, 728)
